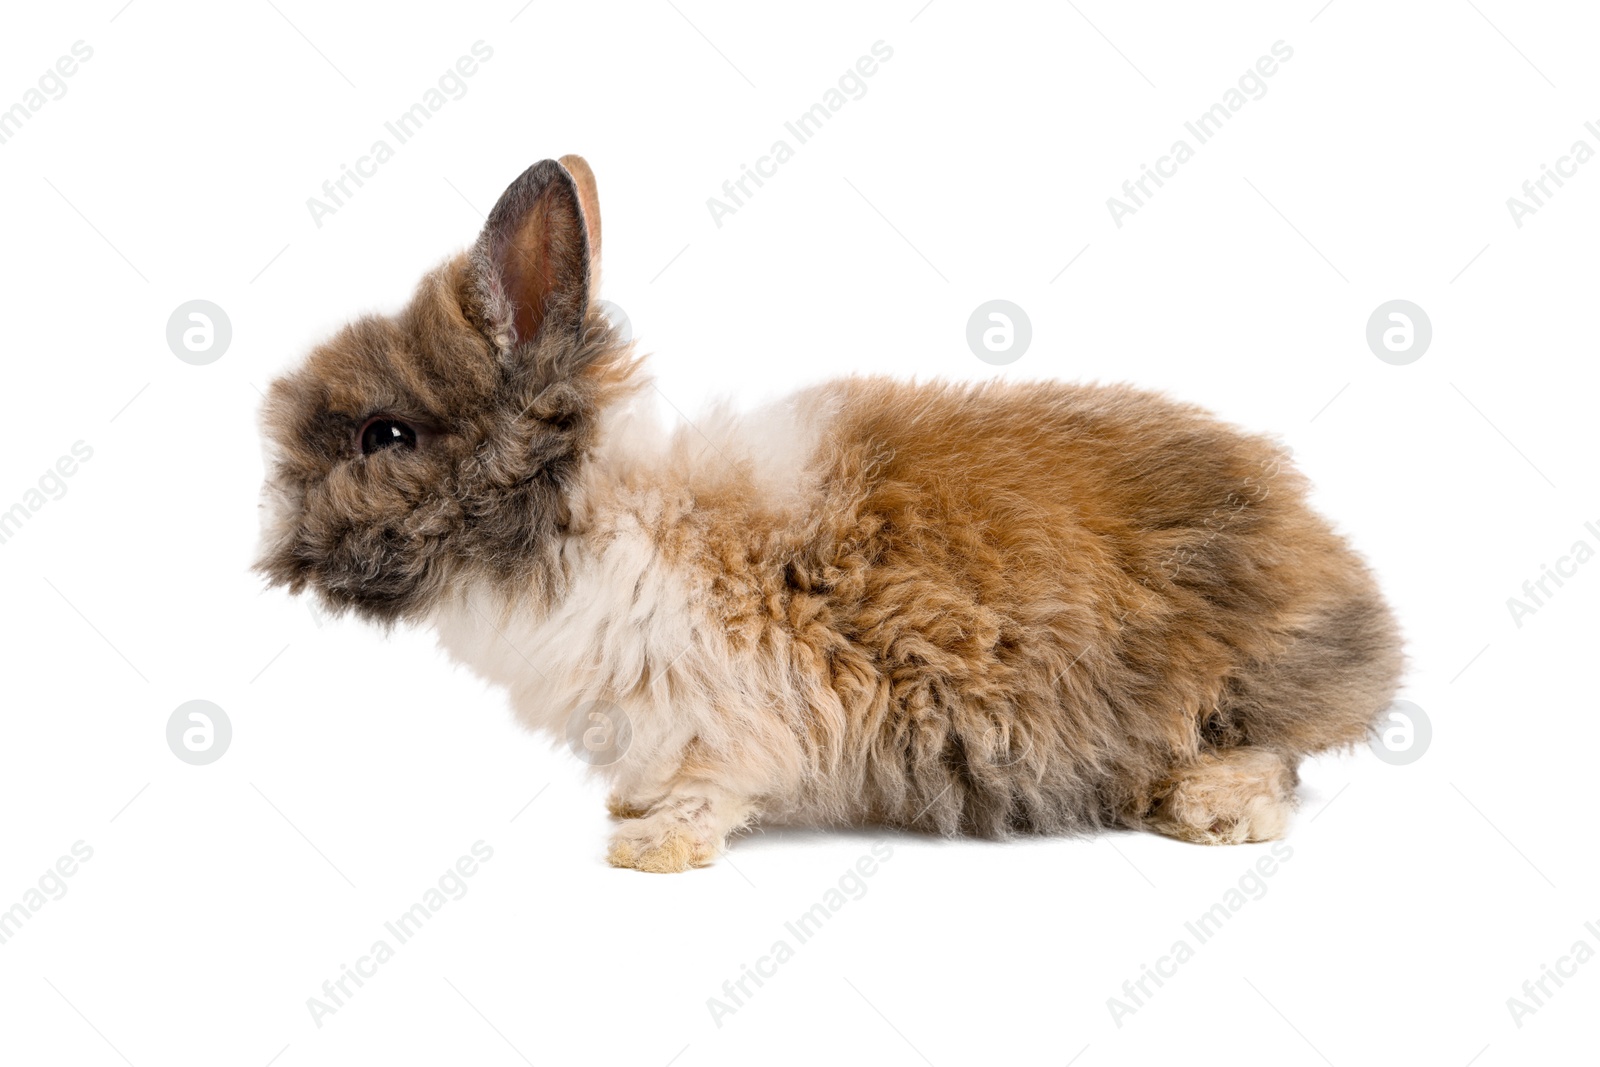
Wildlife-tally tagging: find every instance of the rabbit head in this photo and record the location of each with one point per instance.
(415, 451)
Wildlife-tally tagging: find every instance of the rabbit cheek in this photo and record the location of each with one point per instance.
(383, 572)
(379, 573)
(368, 542)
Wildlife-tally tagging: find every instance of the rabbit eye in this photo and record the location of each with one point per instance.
(380, 433)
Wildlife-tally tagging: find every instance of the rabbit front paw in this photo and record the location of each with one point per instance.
(663, 843)
(686, 828)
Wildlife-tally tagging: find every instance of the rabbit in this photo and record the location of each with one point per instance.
(965, 609)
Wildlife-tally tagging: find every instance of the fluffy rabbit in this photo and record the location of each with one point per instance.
(988, 609)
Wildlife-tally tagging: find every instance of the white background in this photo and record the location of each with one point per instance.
(219, 898)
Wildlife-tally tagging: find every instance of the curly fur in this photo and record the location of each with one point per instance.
(986, 609)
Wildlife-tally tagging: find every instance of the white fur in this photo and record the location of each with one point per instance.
(630, 628)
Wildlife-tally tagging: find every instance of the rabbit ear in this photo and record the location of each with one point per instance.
(578, 167)
(532, 259)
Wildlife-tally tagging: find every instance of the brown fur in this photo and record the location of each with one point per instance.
(995, 609)
(1039, 606)
(509, 409)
